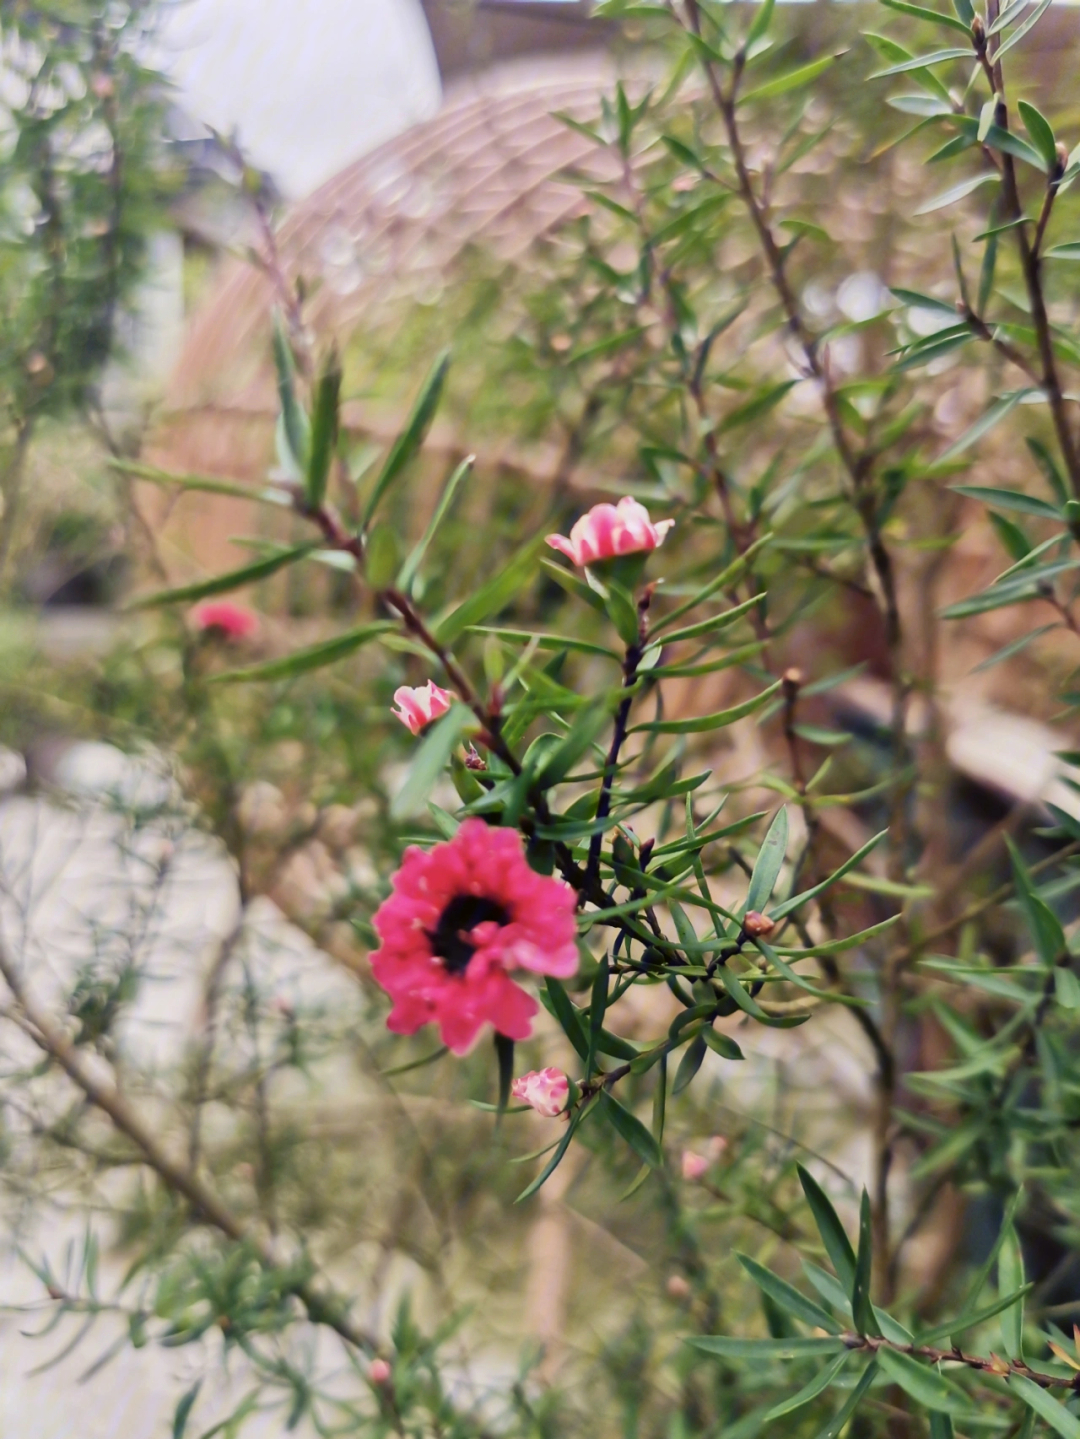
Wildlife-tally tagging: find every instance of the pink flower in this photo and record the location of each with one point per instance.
(461, 916)
(418, 707)
(547, 1090)
(611, 530)
(696, 1166)
(223, 617)
(379, 1371)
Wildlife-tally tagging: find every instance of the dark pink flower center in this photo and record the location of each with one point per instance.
(451, 939)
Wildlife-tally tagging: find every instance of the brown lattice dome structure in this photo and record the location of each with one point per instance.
(487, 173)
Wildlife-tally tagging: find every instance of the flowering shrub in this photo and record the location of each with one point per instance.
(579, 862)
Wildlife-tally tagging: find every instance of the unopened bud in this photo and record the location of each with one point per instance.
(1062, 158)
(474, 760)
(379, 1371)
(756, 924)
(645, 853)
(978, 31)
(794, 677)
(678, 1288)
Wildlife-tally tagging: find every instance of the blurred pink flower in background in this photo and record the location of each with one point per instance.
(608, 531)
(379, 1371)
(418, 707)
(695, 1166)
(546, 1090)
(225, 618)
(462, 915)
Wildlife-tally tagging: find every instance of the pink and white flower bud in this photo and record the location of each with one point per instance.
(546, 1090)
(416, 708)
(608, 531)
(379, 1371)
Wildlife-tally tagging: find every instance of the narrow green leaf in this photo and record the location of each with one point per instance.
(837, 1244)
(182, 1413)
(703, 723)
(985, 423)
(411, 567)
(1049, 469)
(630, 1128)
(726, 576)
(1008, 15)
(957, 192)
(564, 1011)
(491, 597)
(972, 1318)
(504, 1052)
(431, 760)
(689, 1064)
(929, 106)
(1012, 144)
(315, 657)
(810, 1390)
(609, 344)
(556, 1159)
(862, 1309)
(1011, 1279)
(794, 80)
(1066, 988)
(754, 409)
(787, 1296)
(923, 302)
(768, 864)
(935, 16)
(587, 727)
(808, 894)
(324, 432)
(208, 484)
(597, 1009)
(925, 1385)
(1043, 923)
(1069, 251)
(407, 444)
(295, 423)
(986, 1268)
(1004, 499)
(749, 1005)
(1018, 34)
(839, 1421)
(714, 623)
(731, 1348)
(721, 1044)
(1039, 1400)
(923, 62)
(1013, 648)
(222, 584)
(1041, 132)
(382, 556)
(760, 24)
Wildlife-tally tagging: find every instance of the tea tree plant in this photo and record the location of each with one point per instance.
(599, 862)
(83, 180)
